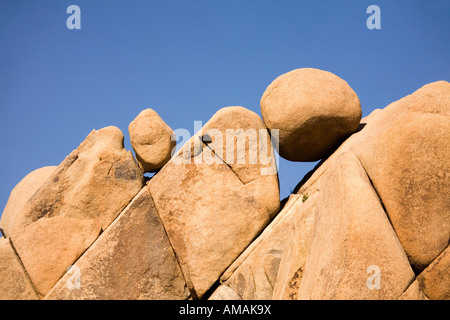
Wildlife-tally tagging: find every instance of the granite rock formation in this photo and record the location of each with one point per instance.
(371, 221)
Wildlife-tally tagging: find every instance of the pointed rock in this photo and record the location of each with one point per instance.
(354, 248)
(224, 292)
(131, 260)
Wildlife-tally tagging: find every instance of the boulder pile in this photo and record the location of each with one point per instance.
(371, 221)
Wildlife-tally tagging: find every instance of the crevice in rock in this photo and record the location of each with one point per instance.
(206, 145)
(378, 195)
(186, 277)
(323, 162)
(101, 232)
(211, 290)
(308, 175)
(416, 272)
(407, 287)
(256, 240)
(24, 269)
(2, 233)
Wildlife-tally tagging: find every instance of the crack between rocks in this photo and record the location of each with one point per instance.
(2, 233)
(24, 269)
(387, 216)
(211, 290)
(187, 279)
(379, 198)
(206, 145)
(96, 240)
(260, 233)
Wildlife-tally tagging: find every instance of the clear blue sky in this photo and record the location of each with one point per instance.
(187, 59)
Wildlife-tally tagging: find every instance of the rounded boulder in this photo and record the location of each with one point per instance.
(314, 110)
(152, 140)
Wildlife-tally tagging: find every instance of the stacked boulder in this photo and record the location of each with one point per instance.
(371, 221)
(314, 110)
(91, 228)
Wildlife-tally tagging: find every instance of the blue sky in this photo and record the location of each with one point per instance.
(187, 59)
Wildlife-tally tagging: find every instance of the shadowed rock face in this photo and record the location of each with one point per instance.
(11, 218)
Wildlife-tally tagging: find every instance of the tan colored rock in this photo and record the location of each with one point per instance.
(281, 216)
(404, 150)
(209, 216)
(413, 293)
(20, 195)
(224, 292)
(352, 239)
(50, 245)
(152, 140)
(435, 279)
(314, 111)
(255, 274)
(433, 98)
(14, 281)
(292, 264)
(132, 259)
(409, 167)
(209, 213)
(433, 283)
(238, 137)
(96, 181)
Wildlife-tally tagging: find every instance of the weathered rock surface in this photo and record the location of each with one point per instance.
(404, 150)
(314, 111)
(224, 292)
(254, 275)
(413, 293)
(209, 213)
(20, 195)
(352, 233)
(433, 283)
(322, 248)
(132, 259)
(293, 260)
(96, 181)
(356, 228)
(50, 245)
(14, 282)
(409, 167)
(239, 138)
(152, 140)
